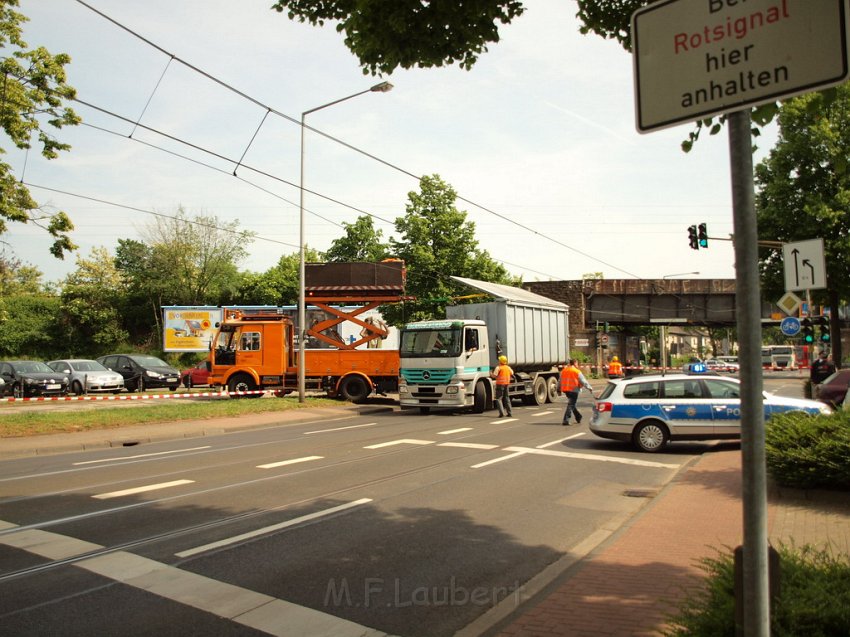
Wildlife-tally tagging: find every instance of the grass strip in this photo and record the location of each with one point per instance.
(17, 421)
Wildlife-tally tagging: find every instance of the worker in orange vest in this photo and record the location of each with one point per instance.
(615, 368)
(502, 373)
(572, 380)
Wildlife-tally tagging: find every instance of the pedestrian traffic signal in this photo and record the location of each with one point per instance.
(703, 235)
(823, 326)
(807, 331)
(693, 239)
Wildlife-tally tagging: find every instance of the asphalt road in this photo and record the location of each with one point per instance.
(403, 523)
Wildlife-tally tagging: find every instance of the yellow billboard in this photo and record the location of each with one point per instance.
(189, 329)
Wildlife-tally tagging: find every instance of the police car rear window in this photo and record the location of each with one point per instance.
(641, 390)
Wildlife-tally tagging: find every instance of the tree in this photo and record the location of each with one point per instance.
(386, 34)
(437, 241)
(277, 285)
(804, 193)
(90, 312)
(361, 242)
(32, 89)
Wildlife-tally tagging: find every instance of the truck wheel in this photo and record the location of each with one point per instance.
(539, 391)
(354, 389)
(552, 389)
(241, 383)
(479, 402)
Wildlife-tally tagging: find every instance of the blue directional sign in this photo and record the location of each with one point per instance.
(790, 326)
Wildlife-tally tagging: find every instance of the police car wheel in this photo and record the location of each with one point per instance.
(651, 437)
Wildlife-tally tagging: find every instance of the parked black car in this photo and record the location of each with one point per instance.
(142, 371)
(23, 379)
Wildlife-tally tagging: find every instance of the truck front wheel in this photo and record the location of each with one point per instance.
(479, 401)
(354, 389)
(242, 383)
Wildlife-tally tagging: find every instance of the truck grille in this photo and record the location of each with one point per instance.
(429, 376)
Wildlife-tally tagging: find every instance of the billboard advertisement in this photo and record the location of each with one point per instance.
(189, 329)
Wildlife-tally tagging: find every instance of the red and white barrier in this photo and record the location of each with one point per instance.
(12, 399)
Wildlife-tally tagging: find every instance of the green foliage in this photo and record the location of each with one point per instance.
(90, 315)
(806, 452)
(32, 91)
(361, 242)
(277, 285)
(31, 329)
(437, 242)
(387, 34)
(814, 597)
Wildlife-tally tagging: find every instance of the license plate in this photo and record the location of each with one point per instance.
(172, 380)
(53, 386)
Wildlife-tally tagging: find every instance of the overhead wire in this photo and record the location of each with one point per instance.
(343, 143)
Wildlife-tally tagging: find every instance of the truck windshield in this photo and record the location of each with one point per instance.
(430, 343)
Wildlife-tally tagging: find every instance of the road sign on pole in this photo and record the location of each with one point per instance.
(790, 326)
(693, 59)
(805, 268)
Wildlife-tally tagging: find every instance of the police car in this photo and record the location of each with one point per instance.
(651, 411)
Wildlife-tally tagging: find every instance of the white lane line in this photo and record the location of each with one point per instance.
(467, 445)
(324, 431)
(560, 440)
(283, 463)
(542, 413)
(270, 529)
(241, 605)
(454, 431)
(597, 458)
(150, 487)
(404, 441)
(503, 420)
(488, 462)
(141, 455)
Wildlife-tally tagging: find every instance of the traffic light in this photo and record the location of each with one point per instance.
(807, 331)
(692, 237)
(823, 325)
(703, 235)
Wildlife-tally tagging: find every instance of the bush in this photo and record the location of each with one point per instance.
(806, 452)
(813, 600)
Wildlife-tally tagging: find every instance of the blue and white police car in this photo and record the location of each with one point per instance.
(650, 411)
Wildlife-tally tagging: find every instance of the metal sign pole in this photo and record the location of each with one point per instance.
(754, 472)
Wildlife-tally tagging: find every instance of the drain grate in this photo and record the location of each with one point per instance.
(640, 493)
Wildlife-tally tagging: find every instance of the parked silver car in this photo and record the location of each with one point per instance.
(88, 376)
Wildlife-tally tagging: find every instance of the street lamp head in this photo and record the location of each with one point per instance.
(383, 87)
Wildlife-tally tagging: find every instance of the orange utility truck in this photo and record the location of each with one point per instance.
(256, 350)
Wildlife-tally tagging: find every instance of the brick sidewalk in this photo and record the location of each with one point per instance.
(631, 583)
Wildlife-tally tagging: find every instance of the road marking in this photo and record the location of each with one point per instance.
(467, 445)
(489, 462)
(503, 420)
(270, 529)
(560, 440)
(454, 431)
(542, 413)
(323, 431)
(404, 441)
(141, 455)
(150, 487)
(598, 458)
(240, 605)
(283, 463)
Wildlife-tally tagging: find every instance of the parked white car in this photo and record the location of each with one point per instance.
(88, 376)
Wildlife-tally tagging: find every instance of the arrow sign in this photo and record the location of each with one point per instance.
(805, 268)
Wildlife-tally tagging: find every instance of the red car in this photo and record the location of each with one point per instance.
(833, 389)
(196, 376)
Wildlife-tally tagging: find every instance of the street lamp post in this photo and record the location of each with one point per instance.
(383, 87)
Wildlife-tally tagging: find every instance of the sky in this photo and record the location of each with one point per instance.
(538, 140)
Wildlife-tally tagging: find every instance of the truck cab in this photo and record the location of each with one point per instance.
(445, 364)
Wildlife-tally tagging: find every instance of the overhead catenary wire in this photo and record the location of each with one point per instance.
(269, 109)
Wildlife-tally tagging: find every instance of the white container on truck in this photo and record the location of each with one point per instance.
(446, 364)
